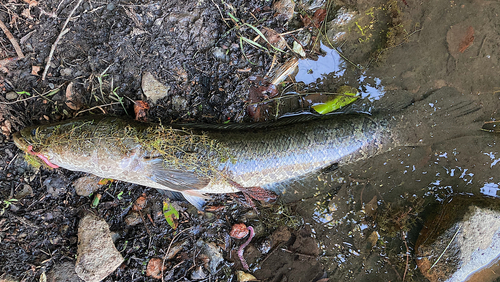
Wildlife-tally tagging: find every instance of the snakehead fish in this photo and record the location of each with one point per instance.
(195, 162)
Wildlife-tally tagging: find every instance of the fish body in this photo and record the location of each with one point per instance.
(195, 162)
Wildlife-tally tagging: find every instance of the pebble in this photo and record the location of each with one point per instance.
(198, 273)
(66, 72)
(86, 185)
(152, 88)
(97, 256)
(55, 186)
(26, 191)
(63, 272)
(220, 54)
(11, 95)
(214, 254)
(110, 7)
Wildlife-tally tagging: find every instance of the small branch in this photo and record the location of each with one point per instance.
(63, 32)
(12, 40)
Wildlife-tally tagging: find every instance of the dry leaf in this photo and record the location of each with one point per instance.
(140, 203)
(73, 100)
(6, 128)
(35, 70)
(154, 268)
(27, 14)
(140, 109)
(31, 3)
(239, 231)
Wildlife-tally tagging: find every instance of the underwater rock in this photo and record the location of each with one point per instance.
(97, 255)
(461, 240)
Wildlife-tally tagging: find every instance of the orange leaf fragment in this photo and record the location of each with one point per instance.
(140, 110)
(239, 231)
(467, 40)
(154, 268)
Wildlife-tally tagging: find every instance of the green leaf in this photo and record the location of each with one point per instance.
(346, 96)
(171, 214)
(96, 200)
(23, 93)
(119, 196)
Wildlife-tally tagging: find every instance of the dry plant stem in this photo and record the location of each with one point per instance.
(168, 250)
(12, 40)
(403, 234)
(63, 32)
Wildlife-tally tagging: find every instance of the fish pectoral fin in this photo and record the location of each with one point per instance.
(177, 180)
(195, 198)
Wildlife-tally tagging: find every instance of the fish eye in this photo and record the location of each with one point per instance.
(33, 132)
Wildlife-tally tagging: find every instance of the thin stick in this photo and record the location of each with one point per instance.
(456, 233)
(168, 250)
(63, 32)
(12, 40)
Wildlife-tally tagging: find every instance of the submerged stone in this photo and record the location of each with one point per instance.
(461, 241)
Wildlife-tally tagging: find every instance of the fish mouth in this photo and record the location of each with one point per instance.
(20, 142)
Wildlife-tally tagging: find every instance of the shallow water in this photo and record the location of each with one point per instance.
(456, 157)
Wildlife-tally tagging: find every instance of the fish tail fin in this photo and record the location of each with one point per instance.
(442, 115)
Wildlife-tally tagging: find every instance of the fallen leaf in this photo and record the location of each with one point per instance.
(346, 95)
(35, 70)
(105, 181)
(239, 231)
(140, 203)
(154, 268)
(316, 20)
(32, 3)
(140, 110)
(467, 40)
(459, 38)
(171, 214)
(73, 100)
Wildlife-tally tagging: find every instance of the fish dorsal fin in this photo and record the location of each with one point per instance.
(176, 179)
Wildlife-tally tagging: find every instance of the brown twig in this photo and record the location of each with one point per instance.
(168, 250)
(64, 30)
(12, 40)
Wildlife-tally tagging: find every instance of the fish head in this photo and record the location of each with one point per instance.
(33, 136)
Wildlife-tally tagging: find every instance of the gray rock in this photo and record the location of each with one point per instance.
(198, 273)
(26, 191)
(66, 72)
(219, 54)
(97, 255)
(86, 185)
(461, 240)
(11, 96)
(55, 186)
(152, 88)
(63, 272)
(214, 254)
